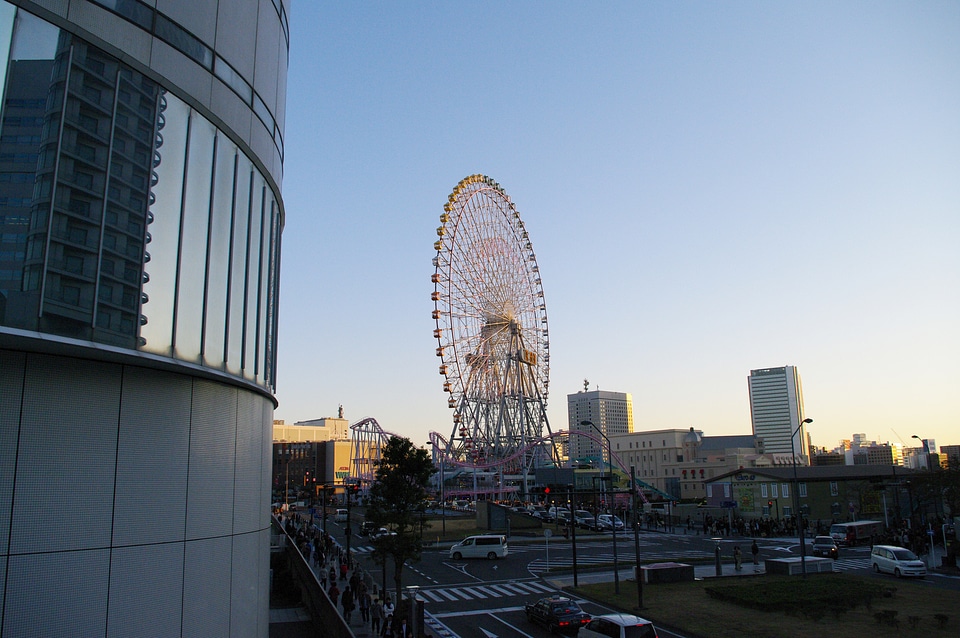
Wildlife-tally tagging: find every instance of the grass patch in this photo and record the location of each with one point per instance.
(835, 605)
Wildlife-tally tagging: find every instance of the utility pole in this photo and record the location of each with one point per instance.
(636, 534)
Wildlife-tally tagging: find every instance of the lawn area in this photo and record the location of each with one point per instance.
(690, 607)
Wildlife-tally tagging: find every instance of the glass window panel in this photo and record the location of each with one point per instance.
(254, 231)
(165, 229)
(268, 288)
(218, 256)
(238, 272)
(184, 41)
(7, 13)
(193, 239)
(34, 39)
(232, 79)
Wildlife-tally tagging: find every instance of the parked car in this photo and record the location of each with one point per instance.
(558, 614)
(609, 522)
(585, 519)
(618, 626)
(825, 546)
(898, 561)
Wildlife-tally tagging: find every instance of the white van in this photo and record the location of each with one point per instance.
(486, 546)
(340, 516)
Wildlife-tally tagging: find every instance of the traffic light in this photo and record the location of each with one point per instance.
(769, 503)
(546, 491)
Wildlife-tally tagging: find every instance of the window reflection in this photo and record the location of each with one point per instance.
(127, 218)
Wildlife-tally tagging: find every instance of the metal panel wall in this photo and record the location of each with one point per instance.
(131, 584)
(152, 458)
(67, 455)
(213, 441)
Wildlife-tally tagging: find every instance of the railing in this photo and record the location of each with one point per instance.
(327, 621)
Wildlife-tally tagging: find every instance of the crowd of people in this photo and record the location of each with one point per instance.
(349, 587)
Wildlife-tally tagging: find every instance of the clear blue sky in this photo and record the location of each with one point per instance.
(709, 188)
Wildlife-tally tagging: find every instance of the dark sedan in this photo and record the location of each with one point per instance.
(825, 546)
(558, 614)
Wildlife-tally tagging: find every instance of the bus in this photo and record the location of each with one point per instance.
(856, 532)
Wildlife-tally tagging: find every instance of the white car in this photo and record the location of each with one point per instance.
(618, 626)
(898, 561)
(383, 532)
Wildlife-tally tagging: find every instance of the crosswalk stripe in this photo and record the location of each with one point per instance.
(456, 594)
(429, 593)
(527, 587)
(444, 592)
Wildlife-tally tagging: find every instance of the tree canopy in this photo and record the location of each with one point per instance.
(399, 488)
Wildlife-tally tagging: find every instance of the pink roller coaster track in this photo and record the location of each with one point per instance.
(368, 437)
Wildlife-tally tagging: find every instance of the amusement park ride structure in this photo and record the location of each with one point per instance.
(494, 350)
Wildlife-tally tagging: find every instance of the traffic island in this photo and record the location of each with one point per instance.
(667, 573)
(794, 565)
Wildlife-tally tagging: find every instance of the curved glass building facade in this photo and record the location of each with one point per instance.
(141, 154)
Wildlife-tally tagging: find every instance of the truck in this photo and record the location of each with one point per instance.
(856, 532)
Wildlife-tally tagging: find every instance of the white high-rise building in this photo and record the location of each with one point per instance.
(611, 412)
(776, 410)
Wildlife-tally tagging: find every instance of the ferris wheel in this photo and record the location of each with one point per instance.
(491, 327)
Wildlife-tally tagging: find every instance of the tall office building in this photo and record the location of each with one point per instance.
(140, 219)
(776, 410)
(611, 412)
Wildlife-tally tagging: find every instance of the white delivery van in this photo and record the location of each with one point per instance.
(486, 546)
(340, 516)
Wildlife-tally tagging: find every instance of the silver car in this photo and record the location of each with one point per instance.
(898, 561)
(618, 626)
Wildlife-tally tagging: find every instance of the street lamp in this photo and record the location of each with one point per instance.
(796, 499)
(573, 529)
(616, 566)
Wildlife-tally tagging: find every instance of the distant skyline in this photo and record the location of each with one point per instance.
(709, 188)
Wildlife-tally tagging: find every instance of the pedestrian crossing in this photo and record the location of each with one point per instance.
(483, 592)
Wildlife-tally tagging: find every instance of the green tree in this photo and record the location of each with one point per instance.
(399, 487)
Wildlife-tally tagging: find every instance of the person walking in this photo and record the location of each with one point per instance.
(737, 558)
(347, 603)
(364, 601)
(755, 550)
(376, 616)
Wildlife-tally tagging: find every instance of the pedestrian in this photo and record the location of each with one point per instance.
(376, 616)
(343, 569)
(355, 581)
(347, 603)
(388, 607)
(405, 630)
(737, 557)
(755, 550)
(364, 601)
(387, 631)
(333, 592)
